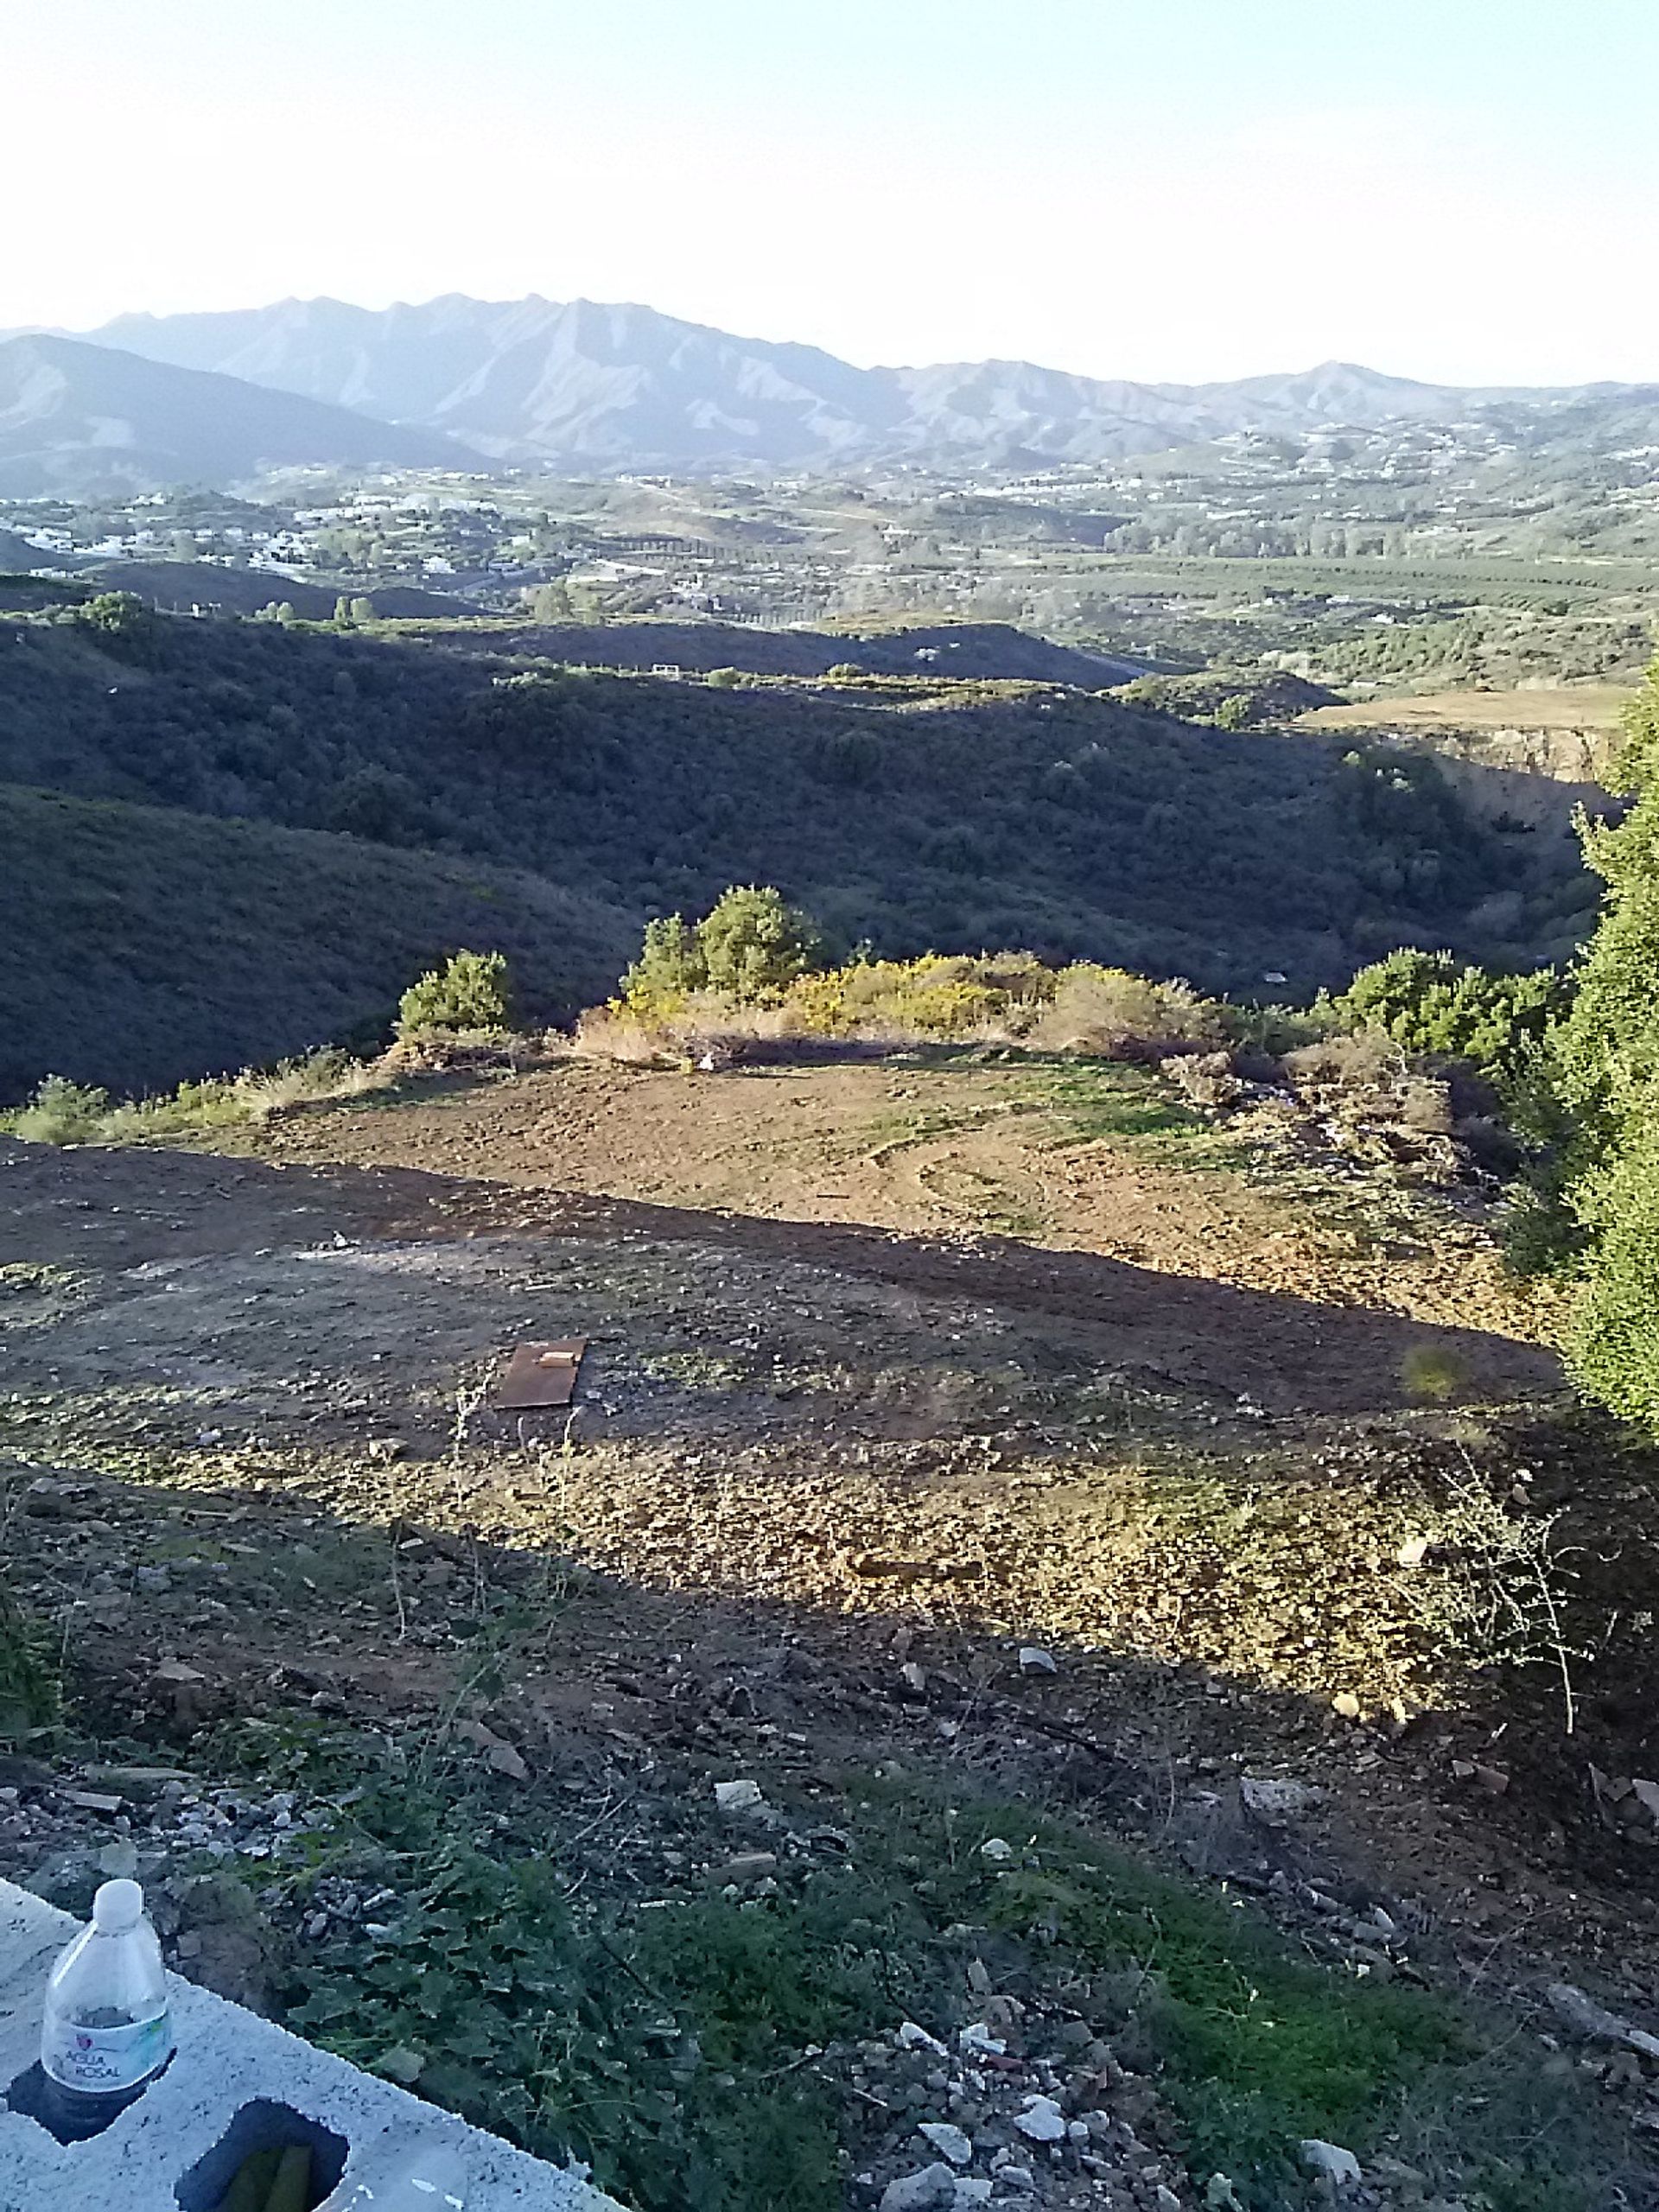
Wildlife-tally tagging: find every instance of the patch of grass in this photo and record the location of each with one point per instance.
(690, 2049)
(61, 1112)
(696, 1369)
(30, 1690)
(1103, 1102)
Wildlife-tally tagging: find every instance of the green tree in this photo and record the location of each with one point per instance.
(1595, 1206)
(1234, 711)
(472, 990)
(754, 944)
(670, 966)
(1428, 1002)
(551, 603)
(750, 947)
(123, 621)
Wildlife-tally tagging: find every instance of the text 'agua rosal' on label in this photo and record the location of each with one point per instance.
(99, 2060)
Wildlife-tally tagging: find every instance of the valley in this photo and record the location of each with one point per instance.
(1088, 1622)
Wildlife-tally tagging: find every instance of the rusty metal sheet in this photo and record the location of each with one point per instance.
(542, 1374)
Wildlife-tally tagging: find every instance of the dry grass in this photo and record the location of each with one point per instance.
(1567, 707)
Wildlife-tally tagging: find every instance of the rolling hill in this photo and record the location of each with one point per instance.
(1075, 826)
(90, 420)
(145, 945)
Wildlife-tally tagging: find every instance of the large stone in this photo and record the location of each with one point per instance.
(1339, 2165)
(1274, 1803)
(1042, 2121)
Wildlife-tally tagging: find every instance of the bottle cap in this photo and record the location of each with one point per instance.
(116, 1907)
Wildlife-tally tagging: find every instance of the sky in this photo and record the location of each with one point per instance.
(1460, 190)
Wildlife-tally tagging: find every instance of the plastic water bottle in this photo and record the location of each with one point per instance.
(106, 2033)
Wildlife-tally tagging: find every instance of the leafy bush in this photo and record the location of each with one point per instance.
(1429, 1003)
(1613, 1336)
(470, 991)
(61, 1112)
(1594, 1201)
(749, 948)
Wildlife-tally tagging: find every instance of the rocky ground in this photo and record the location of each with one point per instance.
(1156, 1545)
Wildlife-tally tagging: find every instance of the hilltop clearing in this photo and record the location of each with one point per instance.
(1569, 731)
(1062, 1158)
(1007, 1571)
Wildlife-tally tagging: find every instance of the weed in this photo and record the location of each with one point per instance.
(62, 1112)
(692, 2051)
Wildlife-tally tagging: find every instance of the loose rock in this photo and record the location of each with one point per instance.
(1330, 2159)
(1042, 2121)
(928, 2191)
(949, 2141)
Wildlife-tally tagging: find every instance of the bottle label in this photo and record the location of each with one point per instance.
(101, 2060)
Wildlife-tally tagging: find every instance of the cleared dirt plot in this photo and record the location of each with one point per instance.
(1024, 1562)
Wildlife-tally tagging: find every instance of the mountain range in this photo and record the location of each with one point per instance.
(78, 417)
(588, 388)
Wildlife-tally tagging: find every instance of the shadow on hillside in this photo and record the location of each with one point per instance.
(1207, 1340)
(616, 1691)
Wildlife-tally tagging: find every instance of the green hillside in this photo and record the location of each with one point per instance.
(1066, 822)
(143, 946)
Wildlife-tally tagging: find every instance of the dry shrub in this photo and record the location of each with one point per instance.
(436, 1052)
(320, 1076)
(1207, 1078)
(1425, 1106)
(1117, 1015)
(612, 1032)
(1362, 1062)
(705, 1027)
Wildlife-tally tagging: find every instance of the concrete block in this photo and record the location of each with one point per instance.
(235, 2083)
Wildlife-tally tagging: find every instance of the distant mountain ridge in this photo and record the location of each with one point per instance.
(611, 386)
(588, 387)
(82, 418)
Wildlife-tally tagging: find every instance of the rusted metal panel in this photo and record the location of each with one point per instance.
(542, 1374)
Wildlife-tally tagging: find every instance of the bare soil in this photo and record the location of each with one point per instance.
(895, 1371)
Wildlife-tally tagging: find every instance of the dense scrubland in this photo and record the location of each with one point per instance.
(1073, 826)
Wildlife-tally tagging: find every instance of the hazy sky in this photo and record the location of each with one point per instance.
(1465, 189)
